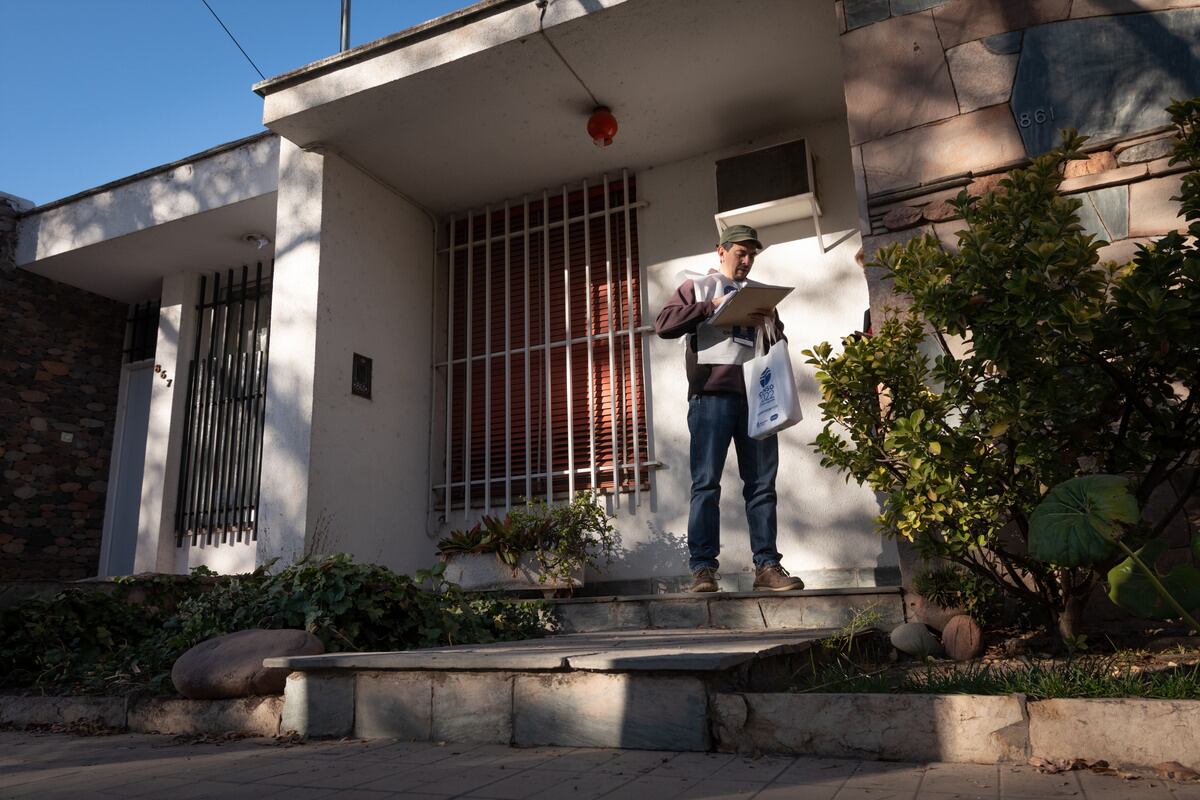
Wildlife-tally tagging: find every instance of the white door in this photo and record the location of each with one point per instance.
(129, 457)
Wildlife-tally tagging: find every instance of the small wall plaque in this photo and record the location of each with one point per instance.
(360, 376)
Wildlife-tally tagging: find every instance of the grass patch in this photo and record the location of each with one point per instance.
(1079, 678)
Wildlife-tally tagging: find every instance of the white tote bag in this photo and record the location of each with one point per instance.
(771, 396)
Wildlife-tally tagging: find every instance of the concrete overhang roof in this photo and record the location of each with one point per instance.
(476, 107)
(119, 240)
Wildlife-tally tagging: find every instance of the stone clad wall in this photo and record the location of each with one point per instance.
(60, 363)
(943, 95)
(947, 94)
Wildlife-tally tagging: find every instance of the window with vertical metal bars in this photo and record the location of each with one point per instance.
(221, 457)
(141, 331)
(541, 370)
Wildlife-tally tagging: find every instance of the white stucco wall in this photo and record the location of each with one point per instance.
(368, 475)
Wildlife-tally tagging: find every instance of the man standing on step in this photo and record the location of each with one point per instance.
(717, 413)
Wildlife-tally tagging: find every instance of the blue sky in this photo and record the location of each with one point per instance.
(94, 90)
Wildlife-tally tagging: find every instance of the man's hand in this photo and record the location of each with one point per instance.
(763, 316)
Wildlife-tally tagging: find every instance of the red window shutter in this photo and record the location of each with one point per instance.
(535, 281)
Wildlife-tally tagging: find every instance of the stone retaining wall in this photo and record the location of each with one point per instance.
(60, 366)
(258, 716)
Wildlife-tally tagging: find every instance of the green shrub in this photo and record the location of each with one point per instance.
(562, 538)
(1052, 365)
(95, 641)
(952, 587)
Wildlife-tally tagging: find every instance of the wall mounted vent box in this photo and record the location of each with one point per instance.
(767, 187)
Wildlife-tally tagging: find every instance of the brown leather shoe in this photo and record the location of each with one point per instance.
(704, 580)
(774, 578)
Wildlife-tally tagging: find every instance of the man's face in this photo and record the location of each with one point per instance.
(736, 260)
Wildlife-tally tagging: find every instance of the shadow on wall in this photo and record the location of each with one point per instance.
(663, 553)
(283, 494)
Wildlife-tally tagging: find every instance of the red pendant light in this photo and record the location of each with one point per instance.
(602, 126)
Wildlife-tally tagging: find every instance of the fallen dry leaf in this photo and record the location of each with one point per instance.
(1173, 770)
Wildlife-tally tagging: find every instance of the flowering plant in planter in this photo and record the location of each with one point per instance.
(551, 544)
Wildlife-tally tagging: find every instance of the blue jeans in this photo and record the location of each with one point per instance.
(713, 420)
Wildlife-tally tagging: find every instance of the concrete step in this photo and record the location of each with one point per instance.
(640, 689)
(808, 609)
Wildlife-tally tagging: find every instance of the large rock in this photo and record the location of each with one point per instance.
(914, 639)
(963, 638)
(232, 665)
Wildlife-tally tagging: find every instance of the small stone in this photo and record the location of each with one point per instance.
(31, 448)
(963, 638)
(939, 211)
(14, 548)
(33, 396)
(38, 423)
(98, 486)
(69, 487)
(55, 367)
(1094, 163)
(1146, 151)
(231, 665)
(900, 218)
(25, 492)
(87, 422)
(914, 639)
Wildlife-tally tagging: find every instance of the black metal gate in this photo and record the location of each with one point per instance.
(221, 459)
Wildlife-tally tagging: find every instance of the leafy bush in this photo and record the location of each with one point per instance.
(562, 538)
(953, 587)
(95, 641)
(1089, 519)
(1060, 367)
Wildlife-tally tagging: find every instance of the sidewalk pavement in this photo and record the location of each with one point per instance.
(48, 766)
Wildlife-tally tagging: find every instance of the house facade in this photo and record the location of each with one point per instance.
(424, 294)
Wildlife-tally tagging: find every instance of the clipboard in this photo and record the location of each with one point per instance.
(741, 304)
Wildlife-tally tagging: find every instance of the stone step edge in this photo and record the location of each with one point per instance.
(257, 716)
(706, 596)
(966, 729)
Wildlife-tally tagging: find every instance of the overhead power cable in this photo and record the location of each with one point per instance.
(234, 38)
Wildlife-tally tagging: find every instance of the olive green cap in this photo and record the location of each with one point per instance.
(736, 234)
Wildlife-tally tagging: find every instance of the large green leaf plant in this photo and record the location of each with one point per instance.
(1022, 362)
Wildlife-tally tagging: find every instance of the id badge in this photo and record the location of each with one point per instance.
(743, 336)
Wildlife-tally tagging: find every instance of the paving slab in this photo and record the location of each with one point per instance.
(60, 766)
(691, 649)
